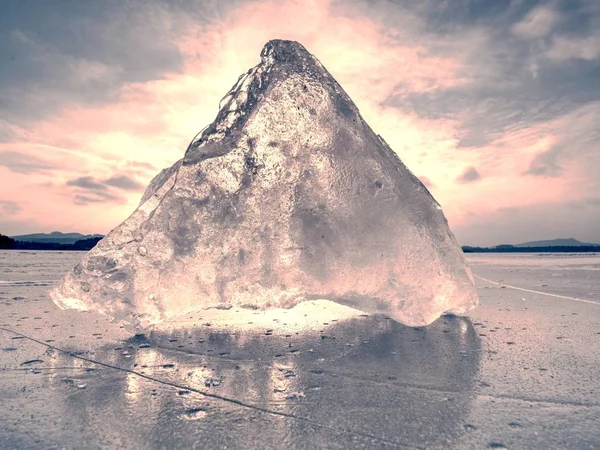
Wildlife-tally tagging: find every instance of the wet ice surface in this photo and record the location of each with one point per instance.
(519, 372)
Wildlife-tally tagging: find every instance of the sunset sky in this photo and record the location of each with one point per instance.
(493, 104)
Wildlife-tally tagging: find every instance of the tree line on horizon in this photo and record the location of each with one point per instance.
(8, 243)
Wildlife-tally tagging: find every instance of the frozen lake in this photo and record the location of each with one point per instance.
(521, 371)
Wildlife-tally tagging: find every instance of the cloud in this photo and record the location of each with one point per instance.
(96, 197)
(537, 23)
(564, 48)
(9, 207)
(469, 175)
(92, 190)
(124, 182)
(512, 83)
(47, 65)
(87, 183)
(546, 164)
(25, 164)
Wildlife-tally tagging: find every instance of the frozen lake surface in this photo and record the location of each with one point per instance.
(521, 371)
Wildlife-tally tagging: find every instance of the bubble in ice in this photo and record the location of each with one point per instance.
(287, 196)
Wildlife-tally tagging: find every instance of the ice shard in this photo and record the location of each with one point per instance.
(287, 196)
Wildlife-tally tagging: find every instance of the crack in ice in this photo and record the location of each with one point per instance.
(538, 292)
(214, 396)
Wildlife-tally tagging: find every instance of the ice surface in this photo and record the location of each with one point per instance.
(459, 381)
(287, 196)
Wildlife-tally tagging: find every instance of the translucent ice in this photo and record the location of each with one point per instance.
(287, 196)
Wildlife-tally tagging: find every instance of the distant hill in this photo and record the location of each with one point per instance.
(566, 245)
(566, 242)
(56, 237)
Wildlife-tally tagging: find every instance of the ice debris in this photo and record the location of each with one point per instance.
(287, 196)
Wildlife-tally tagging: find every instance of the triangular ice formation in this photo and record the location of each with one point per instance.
(287, 196)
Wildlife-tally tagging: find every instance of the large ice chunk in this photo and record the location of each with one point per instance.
(287, 196)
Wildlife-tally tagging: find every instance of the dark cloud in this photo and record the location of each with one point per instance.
(514, 79)
(21, 163)
(87, 183)
(81, 52)
(91, 190)
(125, 182)
(469, 175)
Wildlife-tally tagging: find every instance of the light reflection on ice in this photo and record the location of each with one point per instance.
(305, 317)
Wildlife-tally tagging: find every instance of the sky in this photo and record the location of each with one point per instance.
(494, 105)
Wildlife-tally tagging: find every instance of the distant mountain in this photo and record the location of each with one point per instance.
(551, 246)
(566, 242)
(56, 237)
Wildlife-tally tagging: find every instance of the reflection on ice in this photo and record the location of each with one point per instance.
(361, 379)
